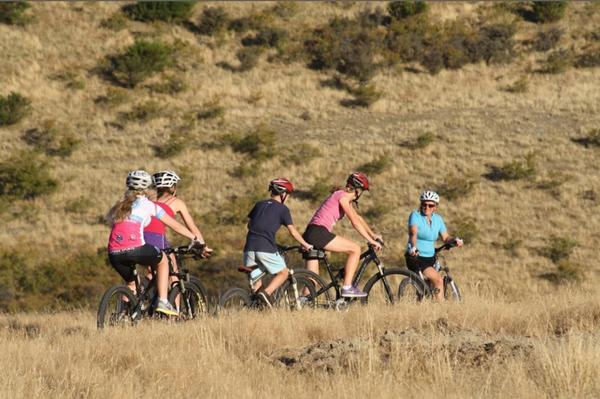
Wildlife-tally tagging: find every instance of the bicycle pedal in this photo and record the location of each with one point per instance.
(341, 305)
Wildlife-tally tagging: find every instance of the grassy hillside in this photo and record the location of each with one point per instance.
(510, 145)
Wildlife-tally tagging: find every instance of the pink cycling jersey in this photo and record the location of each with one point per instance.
(129, 233)
(329, 212)
(155, 225)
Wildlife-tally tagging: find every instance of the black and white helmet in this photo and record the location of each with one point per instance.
(138, 180)
(165, 178)
(429, 196)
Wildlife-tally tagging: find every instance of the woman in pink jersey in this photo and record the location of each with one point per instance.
(319, 230)
(126, 245)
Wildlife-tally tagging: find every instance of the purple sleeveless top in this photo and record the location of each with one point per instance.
(329, 212)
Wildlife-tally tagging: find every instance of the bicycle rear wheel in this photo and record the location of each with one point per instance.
(191, 302)
(451, 291)
(322, 295)
(305, 291)
(408, 290)
(384, 288)
(117, 308)
(235, 299)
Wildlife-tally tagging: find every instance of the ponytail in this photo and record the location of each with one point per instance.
(122, 209)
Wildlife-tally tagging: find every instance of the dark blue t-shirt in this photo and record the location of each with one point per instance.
(265, 219)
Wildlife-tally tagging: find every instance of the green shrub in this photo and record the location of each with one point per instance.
(494, 44)
(569, 271)
(422, 141)
(547, 39)
(521, 85)
(171, 85)
(559, 248)
(258, 144)
(558, 61)
(248, 57)
(113, 97)
(591, 140)
(52, 139)
(365, 95)
(214, 20)
(169, 11)
(549, 11)
(406, 40)
(116, 22)
(514, 170)
(589, 59)
(377, 165)
(300, 154)
(144, 112)
(211, 110)
(140, 61)
(173, 146)
(406, 8)
(456, 187)
(317, 192)
(13, 12)
(467, 230)
(13, 108)
(267, 37)
(25, 176)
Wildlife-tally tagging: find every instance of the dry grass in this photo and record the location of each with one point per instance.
(492, 346)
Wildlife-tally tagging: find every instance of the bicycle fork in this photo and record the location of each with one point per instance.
(295, 288)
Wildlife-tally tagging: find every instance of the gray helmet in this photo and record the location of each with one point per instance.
(138, 180)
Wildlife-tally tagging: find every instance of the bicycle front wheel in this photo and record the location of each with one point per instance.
(451, 291)
(191, 303)
(322, 296)
(235, 299)
(384, 288)
(409, 290)
(117, 307)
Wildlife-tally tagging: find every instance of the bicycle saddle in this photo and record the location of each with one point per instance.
(315, 253)
(245, 269)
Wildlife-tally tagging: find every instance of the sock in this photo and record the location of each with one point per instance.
(346, 287)
(163, 300)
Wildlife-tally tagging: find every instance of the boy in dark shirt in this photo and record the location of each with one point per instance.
(265, 218)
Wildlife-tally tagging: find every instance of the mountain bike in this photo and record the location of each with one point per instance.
(121, 306)
(451, 291)
(293, 294)
(380, 287)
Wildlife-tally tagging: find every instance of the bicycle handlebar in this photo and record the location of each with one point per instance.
(446, 246)
(286, 248)
(196, 250)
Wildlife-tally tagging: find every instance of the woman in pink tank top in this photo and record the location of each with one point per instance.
(319, 230)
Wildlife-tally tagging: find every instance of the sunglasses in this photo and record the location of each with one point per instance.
(425, 205)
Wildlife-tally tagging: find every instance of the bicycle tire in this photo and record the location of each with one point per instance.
(192, 302)
(286, 297)
(322, 296)
(381, 288)
(114, 310)
(208, 306)
(235, 299)
(409, 290)
(451, 291)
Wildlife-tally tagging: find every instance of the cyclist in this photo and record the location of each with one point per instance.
(265, 218)
(126, 245)
(425, 226)
(318, 232)
(165, 183)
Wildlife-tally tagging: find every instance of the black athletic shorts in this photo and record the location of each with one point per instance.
(418, 263)
(124, 261)
(317, 236)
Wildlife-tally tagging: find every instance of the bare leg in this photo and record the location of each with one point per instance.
(162, 277)
(277, 281)
(432, 275)
(341, 244)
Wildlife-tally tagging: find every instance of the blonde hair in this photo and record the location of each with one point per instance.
(122, 209)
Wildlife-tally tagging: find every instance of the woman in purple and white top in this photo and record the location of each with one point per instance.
(319, 230)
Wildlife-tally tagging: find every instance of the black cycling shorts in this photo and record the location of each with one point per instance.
(124, 262)
(418, 263)
(318, 236)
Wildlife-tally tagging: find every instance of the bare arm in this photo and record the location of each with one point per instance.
(448, 239)
(355, 219)
(412, 239)
(176, 226)
(294, 233)
(369, 230)
(187, 219)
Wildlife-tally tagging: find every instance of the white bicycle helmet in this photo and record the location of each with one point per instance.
(138, 180)
(429, 196)
(165, 178)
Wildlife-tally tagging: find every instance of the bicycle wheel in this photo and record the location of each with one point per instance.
(207, 305)
(408, 290)
(235, 299)
(117, 307)
(451, 291)
(322, 294)
(191, 303)
(285, 297)
(384, 288)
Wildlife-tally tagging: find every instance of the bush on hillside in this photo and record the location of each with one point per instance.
(267, 37)
(13, 12)
(549, 11)
(406, 39)
(559, 248)
(13, 108)
(248, 57)
(514, 170)
(547, 39)
(558, 61)
(455, 187)
(168, 11)
(211, 110)
(25, 176)
(299, 154)
(520, 85)
(592, 139)
(258, 144)
(170, 85)
(406, 8)
(422, 141)
(173, 146)
(113, 98)
(116, 22)
(285, 9)
(377, 165)
(248, 22)
(589, 59)
(143, 112)
(214, 20)
(495, 44)
(52, 139)
(365, 95)
(140, 61)
(317, 192)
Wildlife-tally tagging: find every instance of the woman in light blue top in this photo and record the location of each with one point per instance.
(424, 228)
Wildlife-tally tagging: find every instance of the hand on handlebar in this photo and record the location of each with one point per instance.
(457, 242)
(413, 251)
(376, 245)
(307, 247)
(378, 238)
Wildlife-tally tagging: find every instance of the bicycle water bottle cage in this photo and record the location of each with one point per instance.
(313, 254)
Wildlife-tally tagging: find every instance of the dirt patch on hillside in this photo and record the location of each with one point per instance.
(469, 348)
